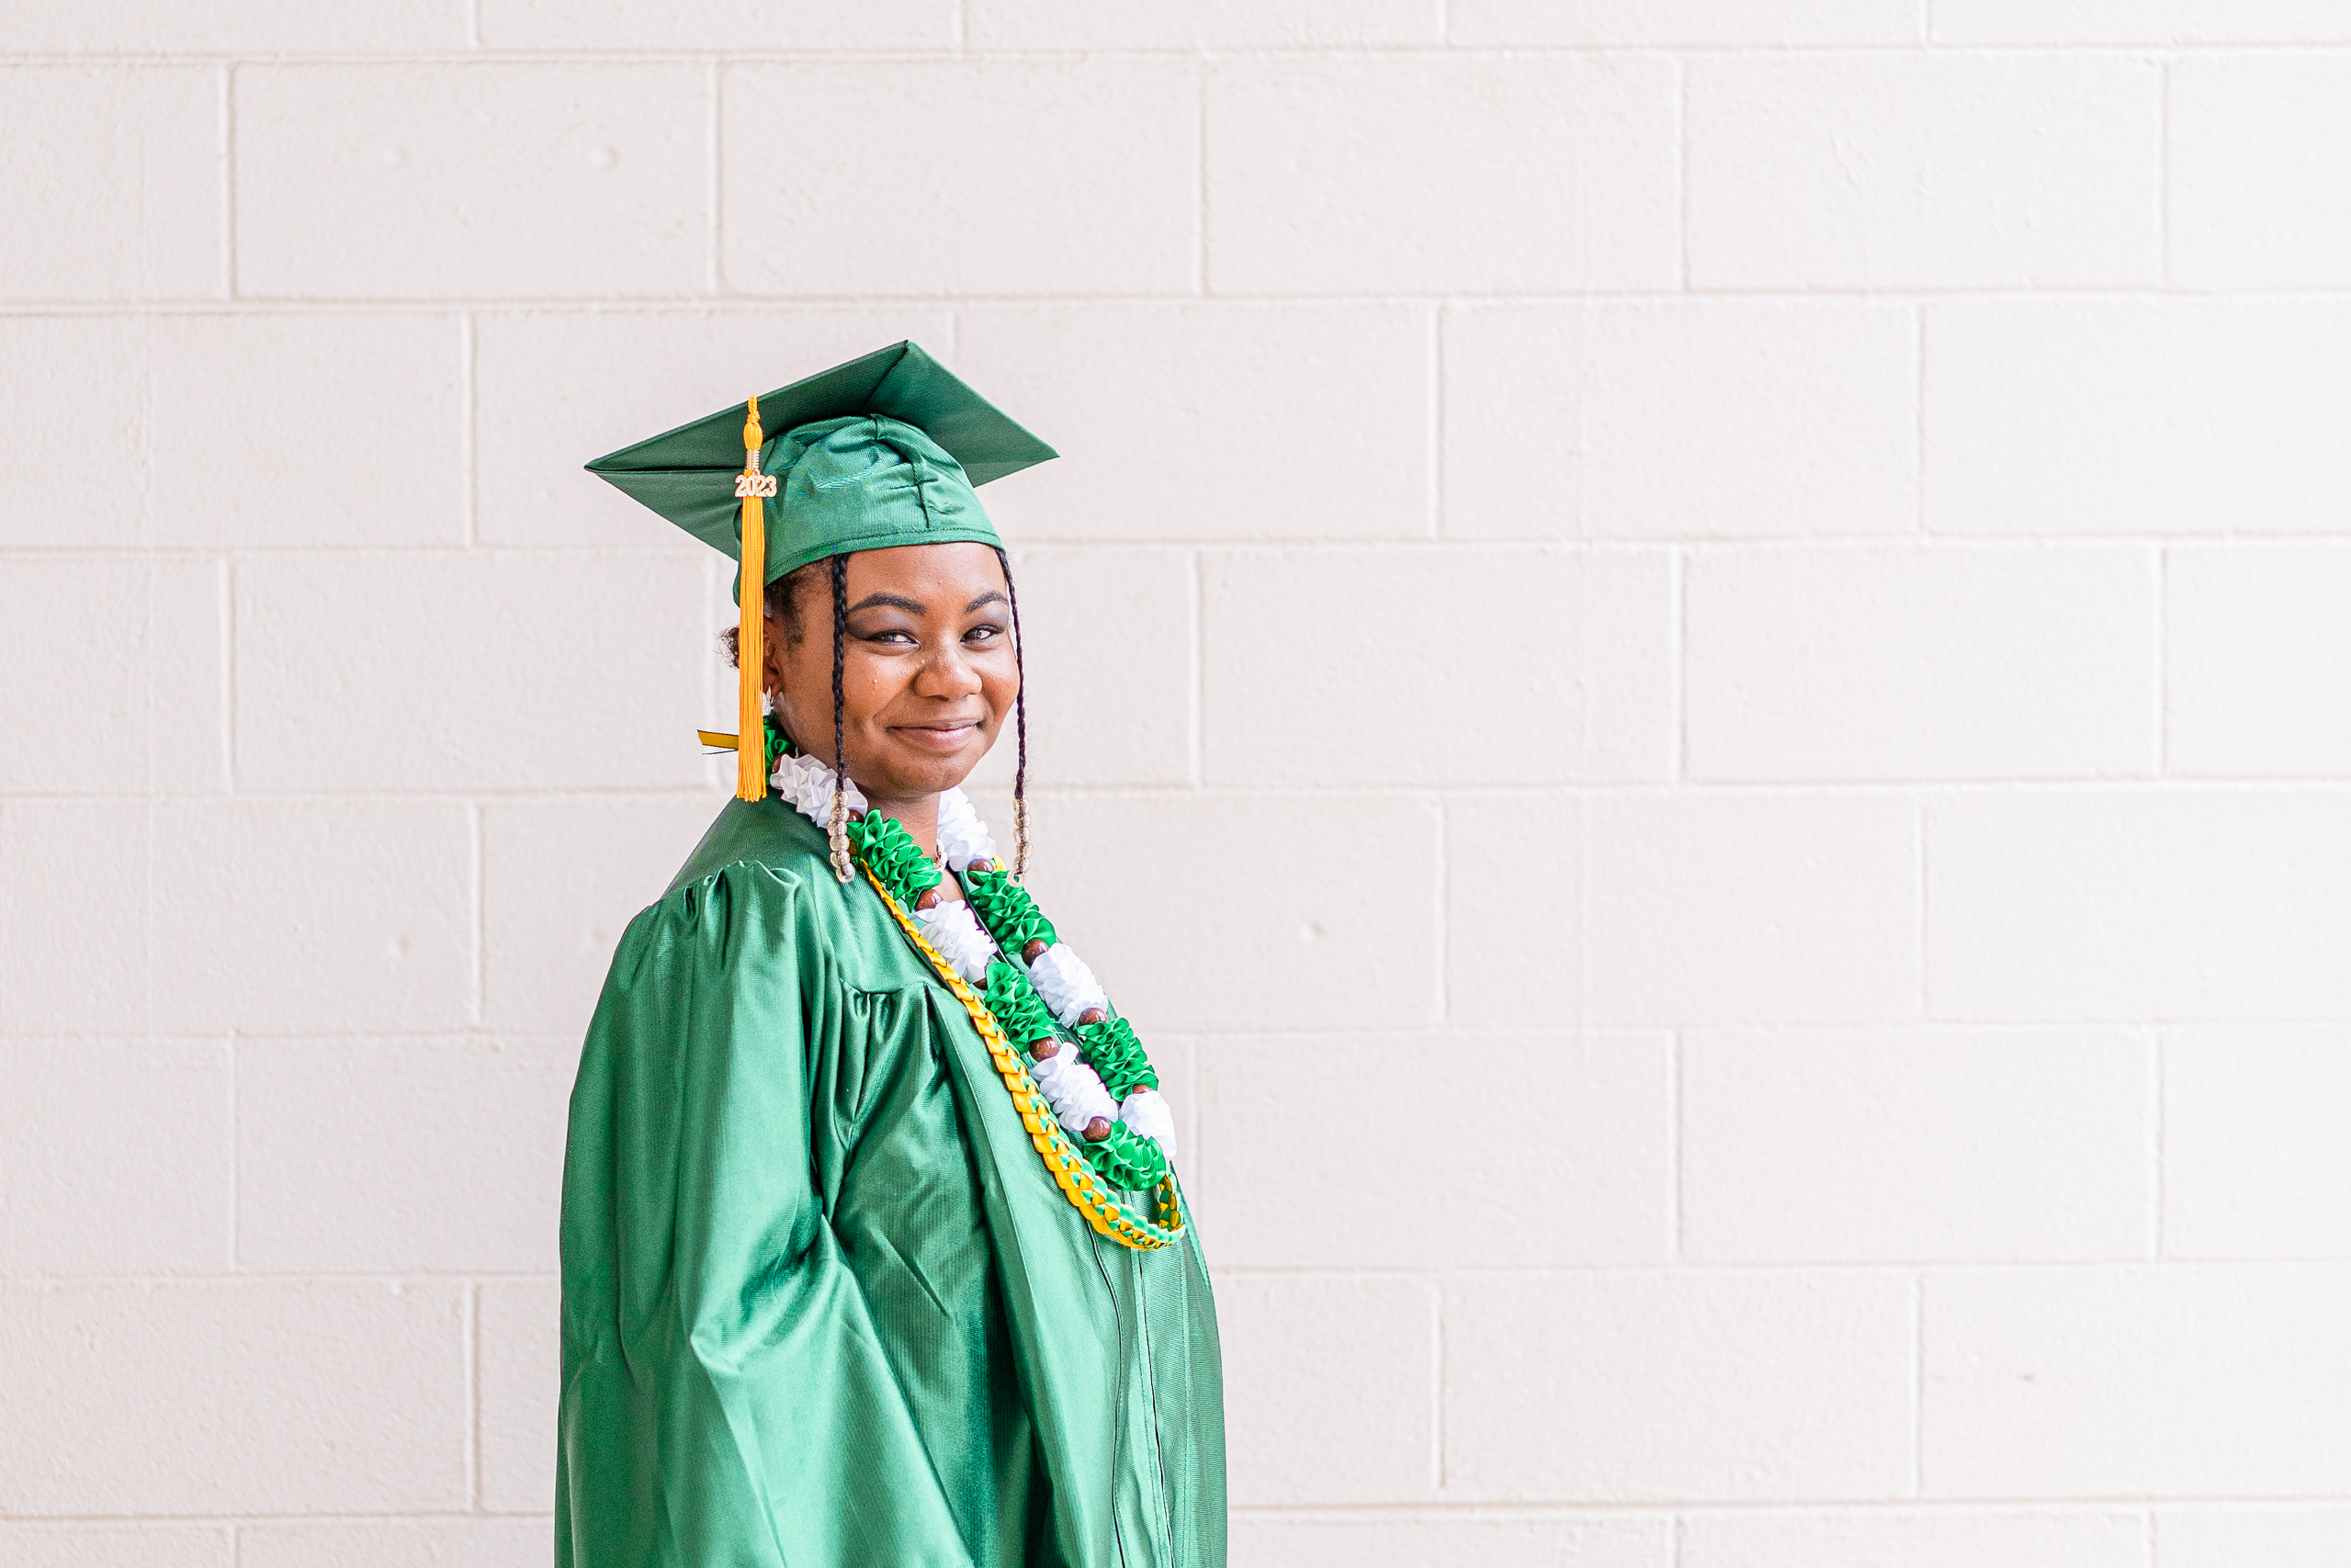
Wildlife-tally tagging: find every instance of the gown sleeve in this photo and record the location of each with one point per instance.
(725, 1397)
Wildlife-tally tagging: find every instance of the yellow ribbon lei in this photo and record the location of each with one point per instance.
(1068, 1168)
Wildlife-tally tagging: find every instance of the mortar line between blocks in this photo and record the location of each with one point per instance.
(2333, 790)
(1520, 1509)
(622, 304)
(2134, 1505)
(1413, 546)
(1793, 1270)
(641, 54)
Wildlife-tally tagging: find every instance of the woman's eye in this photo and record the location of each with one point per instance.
(893, 635)
(983, 634)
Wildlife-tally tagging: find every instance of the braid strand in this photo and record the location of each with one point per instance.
(1020, 729)
(836, 833)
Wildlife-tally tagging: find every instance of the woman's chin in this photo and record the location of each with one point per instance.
(909, 776)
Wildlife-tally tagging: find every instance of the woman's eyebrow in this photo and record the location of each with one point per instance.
(991, 597)
(894, 600)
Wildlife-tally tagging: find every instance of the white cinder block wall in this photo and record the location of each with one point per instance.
(1690, 662)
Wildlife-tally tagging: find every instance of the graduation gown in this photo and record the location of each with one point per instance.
(823, 1305)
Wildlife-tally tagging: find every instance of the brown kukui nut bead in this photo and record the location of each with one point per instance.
(981, 865)
(1045, 1050)
(930, 900)
(1097, 1130)
(1032, 951)
(1093, 1015)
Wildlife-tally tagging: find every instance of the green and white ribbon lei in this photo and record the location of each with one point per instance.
(986, 937)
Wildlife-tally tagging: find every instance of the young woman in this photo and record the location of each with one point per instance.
(873, 1254)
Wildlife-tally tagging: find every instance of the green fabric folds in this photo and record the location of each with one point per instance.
(1005, 908)
(864, 482)
(1126, 1159)
(1118, 1057)
(1018, 1011)
(891, 852)
(822, 1303)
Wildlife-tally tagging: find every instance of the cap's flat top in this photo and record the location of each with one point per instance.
(901, 381)
(842, 489)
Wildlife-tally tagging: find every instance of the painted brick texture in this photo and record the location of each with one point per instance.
(1688, 661)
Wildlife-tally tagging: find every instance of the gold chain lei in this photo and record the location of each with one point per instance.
(1070, 1172)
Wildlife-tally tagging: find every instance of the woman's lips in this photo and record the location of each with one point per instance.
(951, 737)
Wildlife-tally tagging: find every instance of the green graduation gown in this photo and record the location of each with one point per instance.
(824, 1305)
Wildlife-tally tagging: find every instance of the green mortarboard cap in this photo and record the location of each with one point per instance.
(881, 451)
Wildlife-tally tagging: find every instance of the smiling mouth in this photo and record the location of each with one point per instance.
(939, 737)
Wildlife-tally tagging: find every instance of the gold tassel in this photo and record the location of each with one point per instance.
(751, 638)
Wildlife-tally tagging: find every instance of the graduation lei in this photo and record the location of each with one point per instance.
(1036, 1006)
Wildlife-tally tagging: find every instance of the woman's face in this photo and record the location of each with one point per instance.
(927, 671)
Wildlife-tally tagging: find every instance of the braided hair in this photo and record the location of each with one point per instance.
(1020, 728)
(836, 831)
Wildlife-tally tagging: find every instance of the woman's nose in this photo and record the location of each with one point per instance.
(946, 673)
